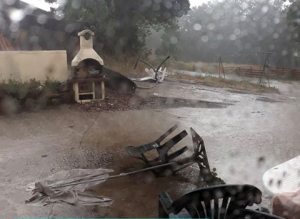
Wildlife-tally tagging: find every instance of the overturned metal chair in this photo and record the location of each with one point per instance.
(217, 202)
(199, 155)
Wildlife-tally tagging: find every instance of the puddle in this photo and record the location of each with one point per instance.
(166, 102)
(239, 92)
(267, 100)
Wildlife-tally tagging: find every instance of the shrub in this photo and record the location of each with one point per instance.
(30, 94)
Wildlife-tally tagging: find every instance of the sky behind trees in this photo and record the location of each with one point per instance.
(43, 5)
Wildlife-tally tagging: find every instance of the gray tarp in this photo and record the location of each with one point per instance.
(45, 193)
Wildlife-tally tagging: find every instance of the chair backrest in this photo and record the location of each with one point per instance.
(217, 202)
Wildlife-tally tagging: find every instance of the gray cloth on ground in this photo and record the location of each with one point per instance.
(44, 193)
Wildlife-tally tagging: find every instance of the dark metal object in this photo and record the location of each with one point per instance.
(225, 201)
(199, 156)
(221, 67)
(154, 69)
(118, 82)
(265, 67)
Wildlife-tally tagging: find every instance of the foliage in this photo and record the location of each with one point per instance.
(169, 45)
(294, 19)
(122, 26)
(30, 91)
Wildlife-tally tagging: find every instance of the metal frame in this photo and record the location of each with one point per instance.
(266, 66)
(221, 67)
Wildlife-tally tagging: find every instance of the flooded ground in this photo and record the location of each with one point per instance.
(244, 133)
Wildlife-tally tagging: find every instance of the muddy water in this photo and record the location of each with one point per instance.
(243, 139)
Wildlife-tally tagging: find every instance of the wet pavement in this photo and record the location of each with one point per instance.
(250, 133)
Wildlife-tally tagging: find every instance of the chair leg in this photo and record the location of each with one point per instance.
(161, 211)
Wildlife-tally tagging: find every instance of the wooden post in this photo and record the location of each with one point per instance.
(94, 91)
(103, 89)
(219, 66)
(76, 91)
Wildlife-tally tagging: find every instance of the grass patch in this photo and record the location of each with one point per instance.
(204, 67)
(188, 66)
(226, 83)
(207, 67)
(194, 66)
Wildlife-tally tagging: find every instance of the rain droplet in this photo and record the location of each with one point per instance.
(264, 25)
(276, 20)
(265, 9)
(235, 10)
(34, 39)
(261, 160)
(62, 2)
(248, 46)
(197, 27)
(211, 26)
(76, 4)
(156, 7)
(42, 19)
(10, 2)
(220, 37)
(16, 15)
(275, 35)
(174, 40)
(177, 7)
(244, 5)
(147, 3)
(236, 19)
(167, 15)
(209, 10)
(271, 182)
(204, 39)
(243, 18)
(14, 27)
(284, 52)
(279, 183)
(283, 174)
(168, 4)
(237, 31)
(232, 37)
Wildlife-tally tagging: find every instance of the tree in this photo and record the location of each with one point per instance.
(239, 30)
(294, 19)
(169, 43)
(122, 26)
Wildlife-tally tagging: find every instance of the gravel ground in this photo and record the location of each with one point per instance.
(245, 134)
(124, 102)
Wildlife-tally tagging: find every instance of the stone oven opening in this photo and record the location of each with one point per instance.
(87, 68)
